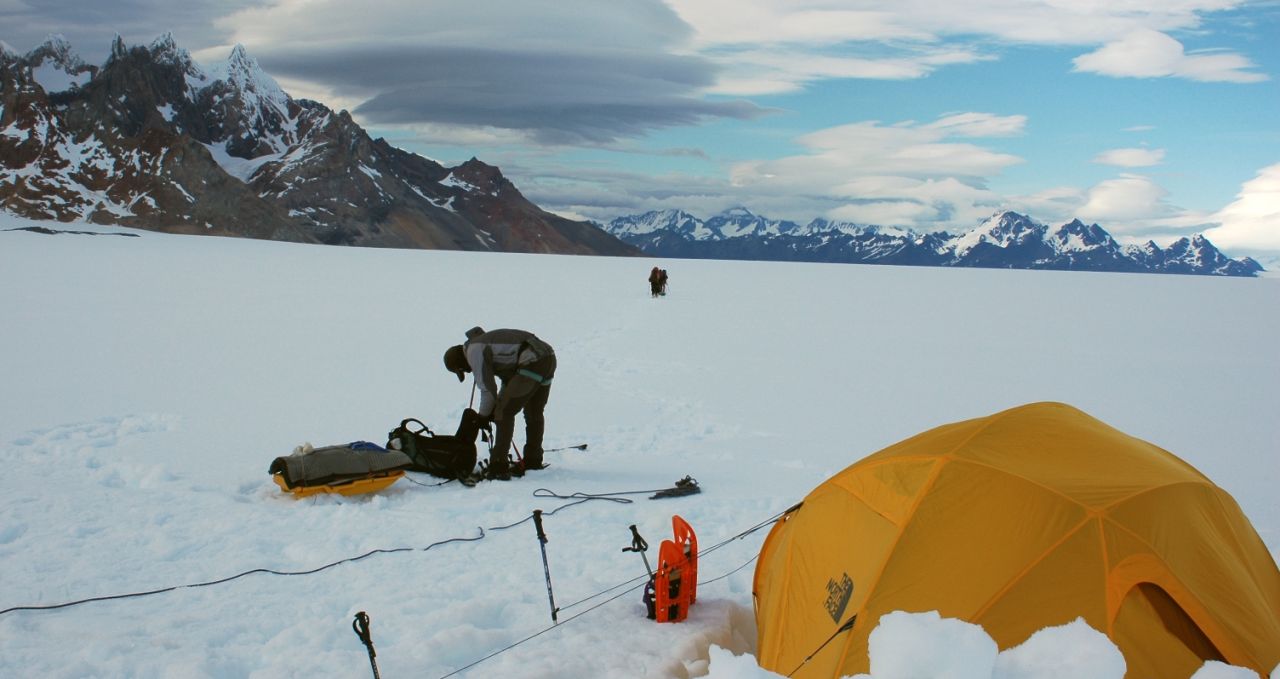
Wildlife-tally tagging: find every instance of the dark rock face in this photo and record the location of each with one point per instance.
(150, 140)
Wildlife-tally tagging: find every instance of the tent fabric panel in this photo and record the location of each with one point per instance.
(1068, 583)
(973, 532)
(769, 585)
(890, 487)
(929, 444)
(1212, 562)
(1064, 449)
(834, 545)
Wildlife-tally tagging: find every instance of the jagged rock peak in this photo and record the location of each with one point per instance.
(7, 50)
(164, 49)
(243, 71)
(56, 47)
(118, 48)
(477, 169)
(1009, 218)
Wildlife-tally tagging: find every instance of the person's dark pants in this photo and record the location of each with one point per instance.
(527, 391)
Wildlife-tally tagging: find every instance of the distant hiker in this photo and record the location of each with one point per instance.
(525, 365)
(655, 282)
(662, 282)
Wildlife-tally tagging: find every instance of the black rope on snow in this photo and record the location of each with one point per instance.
(427, 485)
(581, 498)
(313, 571)
(578, 498)
(541, 492)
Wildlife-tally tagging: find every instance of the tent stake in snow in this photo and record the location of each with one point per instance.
(580, 446)
(546, 570)
(361, 627)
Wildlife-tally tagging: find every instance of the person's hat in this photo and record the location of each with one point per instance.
(455, 361)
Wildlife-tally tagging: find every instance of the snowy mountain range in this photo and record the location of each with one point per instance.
(1005, 240)
(151, 140)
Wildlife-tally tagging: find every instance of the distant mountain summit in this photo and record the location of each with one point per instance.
(1006, 240)
(151, 140)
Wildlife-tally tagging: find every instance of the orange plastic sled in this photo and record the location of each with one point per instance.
(676, 579)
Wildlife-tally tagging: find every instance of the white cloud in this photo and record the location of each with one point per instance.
(876, 39)
(908, 174)
(980, 125)
(1146, 53)
(1130, 157)
(512, 24)
(1053, 205)
(565, 73)
(757, 72)
(1126, 199)
(1252, 221)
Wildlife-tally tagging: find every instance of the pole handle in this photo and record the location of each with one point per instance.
(361, 627)
(637, 543)
(537, 523)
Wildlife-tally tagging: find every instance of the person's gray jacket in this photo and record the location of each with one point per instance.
(500, 354)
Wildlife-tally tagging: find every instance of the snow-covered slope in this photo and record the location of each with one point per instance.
(150, 379)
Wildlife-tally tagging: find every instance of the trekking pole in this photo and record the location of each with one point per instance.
(580, 446)
(361, 627)
(639, 545)
(546, 570)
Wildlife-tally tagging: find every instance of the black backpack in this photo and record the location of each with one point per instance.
(447, 457)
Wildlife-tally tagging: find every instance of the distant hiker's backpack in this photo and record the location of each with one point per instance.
(448, 457)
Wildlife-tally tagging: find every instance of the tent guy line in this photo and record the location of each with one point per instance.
(584, 498)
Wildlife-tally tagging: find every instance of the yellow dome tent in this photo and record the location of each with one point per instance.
(1021, 520)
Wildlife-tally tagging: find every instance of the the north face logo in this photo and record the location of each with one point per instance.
(838, 594)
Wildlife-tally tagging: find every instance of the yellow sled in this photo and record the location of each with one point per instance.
(351, 469)
(354, 487)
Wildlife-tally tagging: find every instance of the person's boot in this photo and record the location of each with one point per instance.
(497, 471)
(533, 459)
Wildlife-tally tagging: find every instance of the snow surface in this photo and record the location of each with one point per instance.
(150, 382)
(240, 168)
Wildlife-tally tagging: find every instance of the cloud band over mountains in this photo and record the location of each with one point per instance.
(530, 84)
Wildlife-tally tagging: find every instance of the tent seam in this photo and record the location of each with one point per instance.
(991, 601)
(942, 461)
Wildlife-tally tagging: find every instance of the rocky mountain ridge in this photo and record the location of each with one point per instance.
(1005, 240)
(151, 140)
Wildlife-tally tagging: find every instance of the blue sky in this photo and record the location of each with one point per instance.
(1154, 118)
